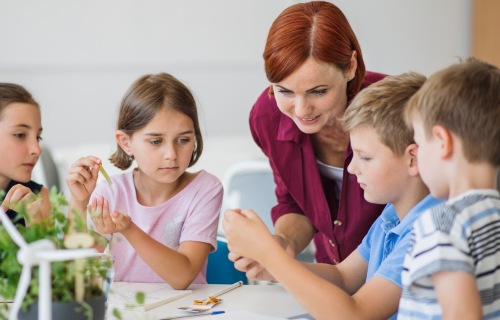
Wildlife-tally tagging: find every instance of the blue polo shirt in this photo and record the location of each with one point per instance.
(386, 244)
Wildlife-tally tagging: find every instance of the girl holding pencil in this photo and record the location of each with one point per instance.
(167, 217)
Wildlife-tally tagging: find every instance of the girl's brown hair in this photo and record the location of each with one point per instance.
(14, 93)
(145, 97)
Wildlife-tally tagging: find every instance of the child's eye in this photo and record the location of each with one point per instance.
(365, 159)
(39, 139)
(183, 141)
(20, 135)
(155, 142)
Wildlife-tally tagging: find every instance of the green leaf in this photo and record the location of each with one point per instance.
(117, 313)
(140, 297)
(63, 273)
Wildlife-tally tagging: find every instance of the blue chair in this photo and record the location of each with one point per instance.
(220, 269)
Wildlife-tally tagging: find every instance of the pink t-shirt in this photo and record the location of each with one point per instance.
(191, 215)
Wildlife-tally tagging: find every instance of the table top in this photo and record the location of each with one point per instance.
(270, 300)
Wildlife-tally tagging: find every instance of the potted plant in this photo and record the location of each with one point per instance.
(75, 285)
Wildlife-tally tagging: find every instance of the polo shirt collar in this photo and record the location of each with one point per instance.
(391, 221)
(389, 218)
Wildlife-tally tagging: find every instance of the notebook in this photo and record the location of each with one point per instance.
(123, 295)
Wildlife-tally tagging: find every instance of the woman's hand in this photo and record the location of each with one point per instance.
(246, 234)
(82, 178)
(20, 194)
(103, 221)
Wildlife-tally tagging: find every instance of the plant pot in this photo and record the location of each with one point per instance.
(66, 310)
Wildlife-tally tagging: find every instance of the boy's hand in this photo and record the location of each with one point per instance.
(21, 194)
(82, 178)
(253, 269)
(246, 234)
(103, 221)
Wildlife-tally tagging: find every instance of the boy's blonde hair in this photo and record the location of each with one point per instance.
(381, 106)
(465, 99)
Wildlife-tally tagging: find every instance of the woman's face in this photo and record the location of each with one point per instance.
(314, 95)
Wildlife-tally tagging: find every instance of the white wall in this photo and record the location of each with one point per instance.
(78, 57)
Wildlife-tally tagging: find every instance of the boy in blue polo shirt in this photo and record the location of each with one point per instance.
(367, 284)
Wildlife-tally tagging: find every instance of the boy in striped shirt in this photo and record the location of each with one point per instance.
(452, 269)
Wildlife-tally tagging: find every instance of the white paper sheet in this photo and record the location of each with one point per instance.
(156, 294)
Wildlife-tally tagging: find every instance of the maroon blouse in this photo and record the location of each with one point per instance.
(301, 189)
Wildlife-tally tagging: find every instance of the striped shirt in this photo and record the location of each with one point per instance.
(461, 234)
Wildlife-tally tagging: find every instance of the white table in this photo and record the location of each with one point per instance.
(265, 300)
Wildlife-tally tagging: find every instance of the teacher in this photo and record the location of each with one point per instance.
(315, 66)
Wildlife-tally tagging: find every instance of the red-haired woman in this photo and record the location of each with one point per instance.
(315, 66)
(314, 63)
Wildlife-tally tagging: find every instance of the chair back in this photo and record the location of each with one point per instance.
(250, 185)
(220, 269)
(45, 171)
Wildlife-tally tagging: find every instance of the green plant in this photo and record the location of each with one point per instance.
(63, 273)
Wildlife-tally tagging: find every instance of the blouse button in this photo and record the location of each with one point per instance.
(331, 242)
(337, 222)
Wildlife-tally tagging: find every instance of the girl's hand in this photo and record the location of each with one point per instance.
(21, 194)
(103, 221)
(246, 234)
(82, 178)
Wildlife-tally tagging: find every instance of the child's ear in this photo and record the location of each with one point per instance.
(411, 153)
(445, 141)
(124, 141)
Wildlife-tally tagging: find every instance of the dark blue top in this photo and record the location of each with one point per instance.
(33, 186)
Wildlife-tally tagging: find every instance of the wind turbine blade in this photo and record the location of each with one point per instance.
(11, 229)
(65, 254)
(22, 288)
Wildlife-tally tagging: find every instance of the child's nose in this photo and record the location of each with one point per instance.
(351, 167)
(170, 153)
(35, 149)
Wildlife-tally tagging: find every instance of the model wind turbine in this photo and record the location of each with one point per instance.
(41, 253)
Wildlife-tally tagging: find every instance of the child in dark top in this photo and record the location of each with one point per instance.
(20, 130)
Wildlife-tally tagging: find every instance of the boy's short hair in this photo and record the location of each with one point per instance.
(465, 99)
(381, 106)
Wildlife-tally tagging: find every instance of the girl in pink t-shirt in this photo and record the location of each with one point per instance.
(167, 217)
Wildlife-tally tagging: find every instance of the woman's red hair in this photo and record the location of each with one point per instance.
(316, 29)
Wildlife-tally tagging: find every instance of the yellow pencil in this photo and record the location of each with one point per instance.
(104, 174)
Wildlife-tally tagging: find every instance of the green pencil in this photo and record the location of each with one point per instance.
(104, 174)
